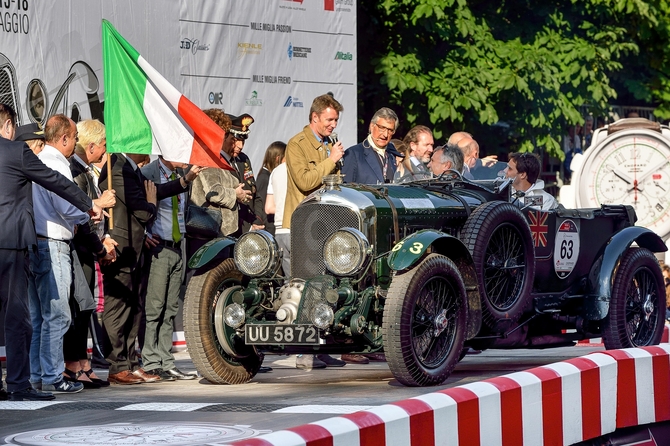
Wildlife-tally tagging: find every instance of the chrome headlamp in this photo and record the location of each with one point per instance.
(346, 252)
(256, 253)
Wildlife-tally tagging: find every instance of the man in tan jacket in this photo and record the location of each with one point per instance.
(310, 155)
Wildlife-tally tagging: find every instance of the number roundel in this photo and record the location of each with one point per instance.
(566, 248)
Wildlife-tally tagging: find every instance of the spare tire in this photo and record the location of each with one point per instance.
(499, 239)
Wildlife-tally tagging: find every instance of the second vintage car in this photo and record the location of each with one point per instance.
(422, 271)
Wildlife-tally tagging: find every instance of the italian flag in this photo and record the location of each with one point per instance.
(145, 114)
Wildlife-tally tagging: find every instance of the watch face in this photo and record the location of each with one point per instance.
(629, 167)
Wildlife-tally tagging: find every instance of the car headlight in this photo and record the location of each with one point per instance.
(256, 253)
(234, 315)
(322, 316)
(346, 252)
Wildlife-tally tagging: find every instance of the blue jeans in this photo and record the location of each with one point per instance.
(49, 309)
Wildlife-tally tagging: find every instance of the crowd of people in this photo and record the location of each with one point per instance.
(71, 269)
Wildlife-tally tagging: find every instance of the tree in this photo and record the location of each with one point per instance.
(461, 64)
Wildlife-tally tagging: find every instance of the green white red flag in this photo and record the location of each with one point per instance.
(145, 114)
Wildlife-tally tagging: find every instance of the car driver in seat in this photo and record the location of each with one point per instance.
(527, 189)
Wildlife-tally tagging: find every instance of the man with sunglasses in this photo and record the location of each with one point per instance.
(524, 168)
(374, 160)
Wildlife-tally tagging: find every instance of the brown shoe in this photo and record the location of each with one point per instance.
(146, 377)
(377, 357)
(125, 377)
(355, 359)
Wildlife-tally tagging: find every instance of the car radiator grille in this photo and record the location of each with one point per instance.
(311, 225)
(314, 293)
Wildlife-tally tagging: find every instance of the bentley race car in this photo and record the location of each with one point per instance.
(421, 271)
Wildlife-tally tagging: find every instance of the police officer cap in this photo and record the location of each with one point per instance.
(240, 127)
(28, 132)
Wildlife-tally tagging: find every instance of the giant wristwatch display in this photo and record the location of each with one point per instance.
(629, 163)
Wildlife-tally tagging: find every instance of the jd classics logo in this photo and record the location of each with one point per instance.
(194, 45)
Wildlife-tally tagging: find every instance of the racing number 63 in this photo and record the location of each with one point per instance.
(414, 249)
(566, 249)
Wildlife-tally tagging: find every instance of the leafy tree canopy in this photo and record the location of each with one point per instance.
(461, 64)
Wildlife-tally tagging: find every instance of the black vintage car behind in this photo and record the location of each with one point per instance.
(422, 271)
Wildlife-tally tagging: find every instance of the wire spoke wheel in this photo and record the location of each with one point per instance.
(424, 322)
(637, 307)
(499, 239)
(217, 352)
(504, 267)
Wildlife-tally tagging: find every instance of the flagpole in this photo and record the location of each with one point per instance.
(109, 187)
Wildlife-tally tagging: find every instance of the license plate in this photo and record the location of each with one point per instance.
(267, 334)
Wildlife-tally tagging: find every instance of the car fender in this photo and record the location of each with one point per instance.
(412, 248)
(209, 251)
(598, 302)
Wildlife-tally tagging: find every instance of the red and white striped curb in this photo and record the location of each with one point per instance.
(557, 404)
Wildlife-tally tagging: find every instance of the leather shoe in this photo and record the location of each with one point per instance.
(3, 394)
(125, 377)
(30, 394)
(330, 361)
(264, 369)
(146, 377)
(377, 357)
(355, 359)
(177, 374)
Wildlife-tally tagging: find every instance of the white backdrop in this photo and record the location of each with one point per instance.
(268, 58)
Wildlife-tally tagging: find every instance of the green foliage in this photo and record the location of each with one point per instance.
(459, 64)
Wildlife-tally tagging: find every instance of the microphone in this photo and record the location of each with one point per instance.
(333, 140)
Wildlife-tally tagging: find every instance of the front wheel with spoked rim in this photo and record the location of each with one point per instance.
(424, 322)
(217, 352)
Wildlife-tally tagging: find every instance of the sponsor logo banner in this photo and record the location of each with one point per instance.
(248, 49)
(215, 97)
(343, 56)
(194, 45)
(297, 51)
(253, 101)
(292, 101)
(271, 27)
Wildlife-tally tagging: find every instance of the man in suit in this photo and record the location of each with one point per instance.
(252, 212)
(164, 240)
(19, 167)
(420, 141)
(135, 208)
(374, 160)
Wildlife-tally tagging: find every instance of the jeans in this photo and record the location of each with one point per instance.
(49, 309)
(161, 306)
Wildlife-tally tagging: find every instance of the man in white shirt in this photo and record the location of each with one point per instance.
(274, 204)
(55, 220)
(525, 169)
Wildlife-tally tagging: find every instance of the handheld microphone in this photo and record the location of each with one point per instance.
(333, 140)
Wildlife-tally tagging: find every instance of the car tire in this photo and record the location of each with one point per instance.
(637, 307)
(499, 239)
(412, 316)
(220, 358)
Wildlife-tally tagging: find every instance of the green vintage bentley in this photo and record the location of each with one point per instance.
(421, 271)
